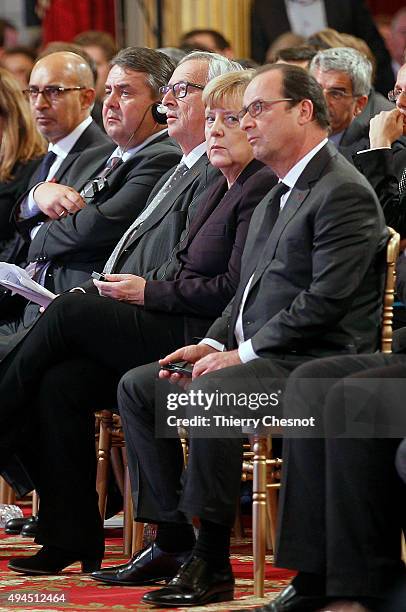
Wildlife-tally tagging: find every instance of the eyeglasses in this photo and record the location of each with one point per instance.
(259, 106)
(337, 94)
(180, 89)
(395, 94)
(52, 92)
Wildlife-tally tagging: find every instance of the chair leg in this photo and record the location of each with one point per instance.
(35, 503)
(259, 447)
(128, 515)
(7, 494)
(103, 459)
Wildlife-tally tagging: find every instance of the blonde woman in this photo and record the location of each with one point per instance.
(21, 148)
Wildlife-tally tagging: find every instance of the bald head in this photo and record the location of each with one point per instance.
(58, 112)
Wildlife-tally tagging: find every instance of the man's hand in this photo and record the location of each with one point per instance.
(191, 353)
(124, 287)
(386, 127)
(205, 358)
(216, 361)
(56, 200)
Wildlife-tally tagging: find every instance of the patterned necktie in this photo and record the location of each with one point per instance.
(402, 182)
(179, 172)
(95, 185)
(45, 166)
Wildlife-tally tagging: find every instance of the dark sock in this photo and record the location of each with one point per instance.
(213, 544)
(175, 537)
(307, 583)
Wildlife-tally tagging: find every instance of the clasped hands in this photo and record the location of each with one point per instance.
(57, 200)
(205, 359)
(124, 287)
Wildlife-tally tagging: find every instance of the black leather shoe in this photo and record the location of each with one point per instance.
(289, 600)
(30, 527)
(148, 566)
(195, 584)
(50, 560)
(13, 526)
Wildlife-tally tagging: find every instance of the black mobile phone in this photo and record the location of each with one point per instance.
(179, 367)
(100, 276)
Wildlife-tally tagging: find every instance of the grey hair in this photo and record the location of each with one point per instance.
(217, 64)
(343, 59)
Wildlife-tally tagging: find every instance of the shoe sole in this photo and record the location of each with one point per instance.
(215, 598)
(134, 584)
(29, 572)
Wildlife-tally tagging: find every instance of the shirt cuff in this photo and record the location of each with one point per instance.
(77, 290)
(213, 343)
(246, 352)
(373, 149)
(28, 207)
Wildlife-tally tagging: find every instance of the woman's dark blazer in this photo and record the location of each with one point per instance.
(209, 262)
(10, 191)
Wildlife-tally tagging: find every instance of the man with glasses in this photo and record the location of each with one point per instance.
(300, 296)
(71, 233)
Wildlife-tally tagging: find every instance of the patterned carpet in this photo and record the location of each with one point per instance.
(74, 591)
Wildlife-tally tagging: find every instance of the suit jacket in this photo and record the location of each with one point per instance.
(79, 243)
(356, 136)
(316, 289)
(377, 166)
(270, 19)
(208, 265)
(93, 136)
(156, 240)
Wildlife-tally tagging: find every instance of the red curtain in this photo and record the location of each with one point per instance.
(385, 7)
(64, 19)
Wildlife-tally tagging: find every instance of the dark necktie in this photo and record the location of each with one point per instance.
(402, 182)
(112, 163)
(270, 217)
(46, 164)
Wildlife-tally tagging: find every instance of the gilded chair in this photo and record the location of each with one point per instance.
(266, 470)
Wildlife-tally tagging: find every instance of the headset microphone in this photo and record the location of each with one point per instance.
(159, 111)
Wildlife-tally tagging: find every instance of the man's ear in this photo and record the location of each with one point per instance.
(360, 104)
(305, 114)
(88, 97)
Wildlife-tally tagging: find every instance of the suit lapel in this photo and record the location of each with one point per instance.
(213, 199)
(165, 205)
(295, 201)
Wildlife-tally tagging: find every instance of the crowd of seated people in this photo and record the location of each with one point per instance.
(237, 218)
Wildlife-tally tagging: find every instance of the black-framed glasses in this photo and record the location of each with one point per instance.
(395, 94)
(180, 89)
(259, 106)
(51, 92)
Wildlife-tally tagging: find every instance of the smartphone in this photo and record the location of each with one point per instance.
(100, 276)
(179, 367)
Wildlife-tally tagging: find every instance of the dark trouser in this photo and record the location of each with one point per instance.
(342, 502)
(210, 485)
(67, 367)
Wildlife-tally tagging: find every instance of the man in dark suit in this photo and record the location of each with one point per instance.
(270, 19)
(300, 296)
(73, 234)
(150, 247)
(345, 76)
(63, 117)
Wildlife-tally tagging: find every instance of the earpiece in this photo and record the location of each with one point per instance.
(158, 111)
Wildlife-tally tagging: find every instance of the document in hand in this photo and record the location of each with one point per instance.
(19, 281)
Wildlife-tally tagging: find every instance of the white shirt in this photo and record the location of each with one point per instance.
(61, 149)
(245, 350)
(129, 153)
(306, 17)
(195, 154)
